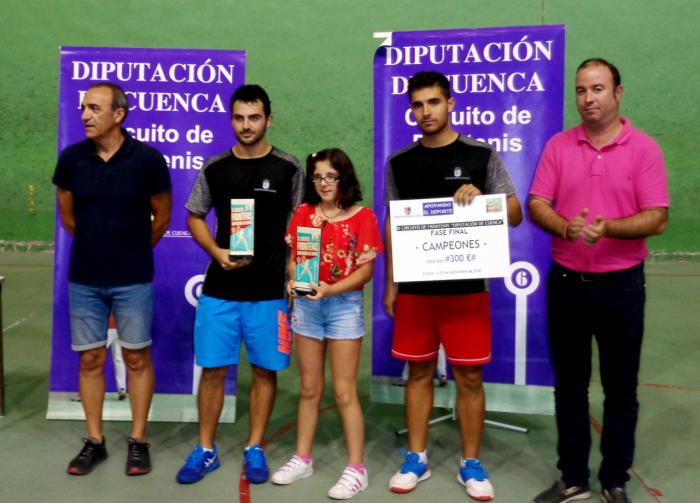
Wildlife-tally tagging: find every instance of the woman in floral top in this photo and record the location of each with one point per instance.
(331, 317)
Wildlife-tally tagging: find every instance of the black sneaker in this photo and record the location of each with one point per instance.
(559, 493)
(138, 461)
(91, 454)
(615, 495)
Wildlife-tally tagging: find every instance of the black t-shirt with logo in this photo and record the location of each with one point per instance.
(275, 181)
(419, 172)
(112, 209)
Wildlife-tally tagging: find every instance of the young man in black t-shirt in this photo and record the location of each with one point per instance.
(454, 313)
(242, 300)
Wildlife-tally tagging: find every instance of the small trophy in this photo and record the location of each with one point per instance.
(242, 243)
(308, 257)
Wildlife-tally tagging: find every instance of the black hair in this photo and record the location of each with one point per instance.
(429, 79)
(249, 93)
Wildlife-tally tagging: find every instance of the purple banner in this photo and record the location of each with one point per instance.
(179, 103)
(508, 87)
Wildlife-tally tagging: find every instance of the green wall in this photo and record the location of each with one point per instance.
(315, 59)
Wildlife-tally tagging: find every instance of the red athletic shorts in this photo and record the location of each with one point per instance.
(462, 324)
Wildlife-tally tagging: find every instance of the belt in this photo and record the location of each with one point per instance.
(590, 277)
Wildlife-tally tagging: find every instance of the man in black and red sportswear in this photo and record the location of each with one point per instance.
(455, 313)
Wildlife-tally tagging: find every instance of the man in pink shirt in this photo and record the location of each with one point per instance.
(600, 190)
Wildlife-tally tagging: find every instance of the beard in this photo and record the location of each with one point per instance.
(435, 129)
(251, 140)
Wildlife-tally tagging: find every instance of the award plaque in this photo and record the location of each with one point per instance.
(308, 258)
(242, 243)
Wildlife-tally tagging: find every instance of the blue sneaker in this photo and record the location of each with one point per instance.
(475, 479)
(256, 470)
(412, 471)
(197, 465)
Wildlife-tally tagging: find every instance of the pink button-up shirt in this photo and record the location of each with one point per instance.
(617, 181)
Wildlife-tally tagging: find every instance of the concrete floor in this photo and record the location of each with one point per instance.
(34, 451)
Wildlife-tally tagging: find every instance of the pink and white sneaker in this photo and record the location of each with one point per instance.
(349, 484)
(293, 470)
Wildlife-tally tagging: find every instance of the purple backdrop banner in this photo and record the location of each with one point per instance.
(508, 88)
(178, 104)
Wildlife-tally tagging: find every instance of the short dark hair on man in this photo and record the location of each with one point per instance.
(602, 62)
(119, 99)
(422, 80)
(348, 184)
(249, 93)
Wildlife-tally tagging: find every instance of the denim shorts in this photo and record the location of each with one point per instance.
(221, 325)
(90, 306)
(337, 317)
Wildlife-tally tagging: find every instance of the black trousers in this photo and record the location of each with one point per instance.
(610, 308)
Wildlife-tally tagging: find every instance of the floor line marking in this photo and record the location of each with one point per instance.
(651, 491)
(27, 266)
(673, 275)
(675, 387)
(18, 322)
(243, 488)
(670, 386)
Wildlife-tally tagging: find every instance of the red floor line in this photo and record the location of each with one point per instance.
(596, 424)
(661, 386)
(243, 484)
(243, 488)
(652, 491)
(282, 431)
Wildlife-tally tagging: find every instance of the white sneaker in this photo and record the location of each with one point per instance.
(349, 484)
(293, 470)
(480, 490)
(475, 479)
(412, 471)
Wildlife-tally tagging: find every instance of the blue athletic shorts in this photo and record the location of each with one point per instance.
(263, 326)
(336, 317)
(90, 306)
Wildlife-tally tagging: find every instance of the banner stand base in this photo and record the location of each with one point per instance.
(487, 422)
(164, 407)
(499, 397)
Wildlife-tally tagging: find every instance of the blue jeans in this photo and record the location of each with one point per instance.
(90, 306)
(609, 307)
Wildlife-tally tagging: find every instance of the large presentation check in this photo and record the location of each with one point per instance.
(437, 239)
